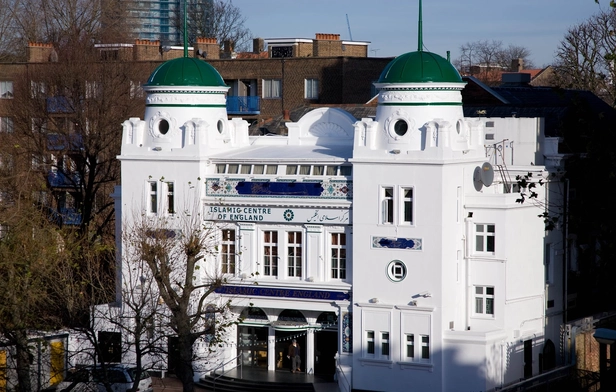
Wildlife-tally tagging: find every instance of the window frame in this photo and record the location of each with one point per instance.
(294, 245)
(152, 197)
(272, 245)
(485, 298)
(7, 90)
(397, 205)
(268, 90)
(338, 255)
(228, 255)
(7, 125)
(170, 197)
(311, 88)
(486, 238)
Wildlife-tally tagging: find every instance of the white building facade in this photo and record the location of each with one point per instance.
(392, 248)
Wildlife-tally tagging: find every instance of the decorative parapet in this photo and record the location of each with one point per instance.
(334, 189)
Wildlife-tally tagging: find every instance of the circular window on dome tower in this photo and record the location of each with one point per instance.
(401, 127)
(221, 126)
(163, 126)
(396, 271)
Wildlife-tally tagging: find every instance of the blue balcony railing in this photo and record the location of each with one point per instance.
(244, 105)
(61, 180)
(69, 216)
(71, 142)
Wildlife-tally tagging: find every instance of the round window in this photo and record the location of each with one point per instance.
(401, 127)
(163, 126)
(396, 271)
(220, 126)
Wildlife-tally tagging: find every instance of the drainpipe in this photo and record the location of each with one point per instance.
(468, 222)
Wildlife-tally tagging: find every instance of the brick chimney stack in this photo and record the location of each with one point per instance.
(517, 65)
(326, 45)
(207, 48)
(39, 52)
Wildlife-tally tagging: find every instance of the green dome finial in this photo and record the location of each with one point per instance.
(420, 31)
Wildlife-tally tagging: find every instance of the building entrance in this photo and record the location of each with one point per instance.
(252, 345)
(283, 341)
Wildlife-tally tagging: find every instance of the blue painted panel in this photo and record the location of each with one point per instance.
(313, 189)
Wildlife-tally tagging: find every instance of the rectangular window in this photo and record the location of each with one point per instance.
(317, 170)
(170, 198)
(370, 342)
(6, 125)
(153, 197)
(304, 170)
(228, 251)
(272, 169)
(257, 169)
(385, 344)
(407, 205)
(270, 253)
(387, 205)
(484, 300)
(272, 88)
(311, 90)
(221, 168)
(294, 255)
(332, 170)
(338, 246)
(410, 346)
(233, 168)
(484, 238)
(291, 170)
(6, 89)
(425, 347)
(245, 169)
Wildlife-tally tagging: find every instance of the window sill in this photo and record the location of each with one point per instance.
(483, 316)
(426, 366)
(376, 362)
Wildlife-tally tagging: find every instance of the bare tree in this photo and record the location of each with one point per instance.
(66, 127)
(586, 56)
(486, 60)
(218, 19)
(179, 254)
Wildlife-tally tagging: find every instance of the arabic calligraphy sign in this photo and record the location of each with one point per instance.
(315, 216)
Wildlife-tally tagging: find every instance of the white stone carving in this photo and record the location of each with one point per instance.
(153, 128)
(328, 129)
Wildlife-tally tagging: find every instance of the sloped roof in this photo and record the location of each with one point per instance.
(559, 107)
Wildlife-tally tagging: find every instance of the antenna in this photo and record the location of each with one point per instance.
(349, 26)
(420, 31)
(185, 32)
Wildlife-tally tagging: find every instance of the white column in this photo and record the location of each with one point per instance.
(271, 350)
(309, 367)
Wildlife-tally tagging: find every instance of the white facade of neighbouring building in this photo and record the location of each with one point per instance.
(392, 248)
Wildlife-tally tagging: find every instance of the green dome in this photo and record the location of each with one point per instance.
(186, 71)
(419, 67)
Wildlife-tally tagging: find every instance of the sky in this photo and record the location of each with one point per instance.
(391, 25)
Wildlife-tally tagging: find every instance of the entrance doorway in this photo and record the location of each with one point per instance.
(252, 345)
(283, 341)
(326, 347)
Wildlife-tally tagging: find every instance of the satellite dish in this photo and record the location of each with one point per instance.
(487, 174)
(483, 176)
(477, 179)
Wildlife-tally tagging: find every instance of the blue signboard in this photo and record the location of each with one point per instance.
(256, 291)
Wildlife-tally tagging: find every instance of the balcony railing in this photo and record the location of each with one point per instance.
(58, 142)
(61, 180)
(69, 216)
(244, 105)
